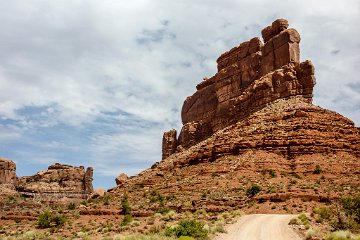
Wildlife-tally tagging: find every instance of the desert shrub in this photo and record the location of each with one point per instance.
(272, 173)
(46, 220)
(200, 212)
(186, 238)
(71, 206)
(170, 215)
(157, 215)
(59, 220)
(294, 221)
(297, 176)
(304, 219)
(156, 197)
(236, 213)
(339, 235)
(218, 228)
(323, 213)
(317, 169)
(253, 190)
(126, 209)
(163, 210)
(351, 207)
(135, 223)
(30, 235)
(127, 219)
(293, 181)
(172, 197)
(310, 233)
(347, 214)
(191, 228)
(106, 199)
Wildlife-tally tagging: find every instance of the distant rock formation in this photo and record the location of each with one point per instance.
(58, 179)
(7, 171)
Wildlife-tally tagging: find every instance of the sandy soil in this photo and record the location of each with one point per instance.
(260, 227)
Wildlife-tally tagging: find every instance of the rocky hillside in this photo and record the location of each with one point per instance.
(251, 135)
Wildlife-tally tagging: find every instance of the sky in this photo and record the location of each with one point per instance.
(96, 83)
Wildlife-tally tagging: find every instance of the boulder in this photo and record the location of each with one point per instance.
(99, 192)
(121, 179)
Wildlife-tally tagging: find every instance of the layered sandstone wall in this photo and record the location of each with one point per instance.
(249, 77)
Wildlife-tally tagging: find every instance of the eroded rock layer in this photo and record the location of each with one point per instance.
(58, 179)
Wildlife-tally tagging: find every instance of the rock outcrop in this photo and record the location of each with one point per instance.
(121, 179)
(169, 143)
(58, 179)
(7, 171)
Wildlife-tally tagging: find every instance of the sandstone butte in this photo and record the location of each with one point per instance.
(253, 122)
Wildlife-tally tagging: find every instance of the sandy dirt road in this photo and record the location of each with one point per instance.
(260, 227)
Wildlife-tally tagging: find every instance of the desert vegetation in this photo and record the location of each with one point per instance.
(337, 221)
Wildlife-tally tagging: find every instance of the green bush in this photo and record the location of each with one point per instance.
(127, 219)
(126, 209)
(190, 228)
(186, 238)
(71, 206)
(156, 197)
(347, 214)
(272, 173)
(339, 235)
(317, 169)
(351, 207)
(253, 190)
(323, 213)
(46, 220)
(294, 221)
(304, 219)
(59, 220)
(310, 234)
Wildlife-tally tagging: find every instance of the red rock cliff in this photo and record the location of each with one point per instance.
(250, 77)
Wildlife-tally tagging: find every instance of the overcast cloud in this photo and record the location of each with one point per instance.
(96, 83)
